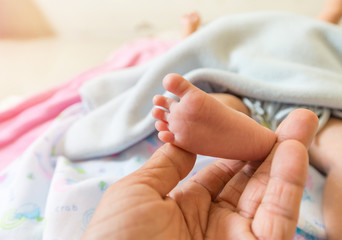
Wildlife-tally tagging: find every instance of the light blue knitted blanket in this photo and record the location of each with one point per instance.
(268, 56)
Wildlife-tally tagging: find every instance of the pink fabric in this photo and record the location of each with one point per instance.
(22, 124)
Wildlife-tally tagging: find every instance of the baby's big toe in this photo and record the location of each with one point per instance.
(176, 84)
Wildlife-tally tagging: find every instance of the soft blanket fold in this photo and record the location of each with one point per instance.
(268, 56)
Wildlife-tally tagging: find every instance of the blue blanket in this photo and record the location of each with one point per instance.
(268, 56)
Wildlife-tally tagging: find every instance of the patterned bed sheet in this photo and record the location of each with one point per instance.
(46, 196)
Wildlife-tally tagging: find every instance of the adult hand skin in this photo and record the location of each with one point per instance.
(229, 199)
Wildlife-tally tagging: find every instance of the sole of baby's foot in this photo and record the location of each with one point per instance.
(200, 124)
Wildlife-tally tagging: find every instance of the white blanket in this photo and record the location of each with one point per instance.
(268, 56)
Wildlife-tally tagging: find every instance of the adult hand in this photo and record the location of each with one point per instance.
(228, 199)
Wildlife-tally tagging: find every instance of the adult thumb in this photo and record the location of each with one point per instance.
(165, 169)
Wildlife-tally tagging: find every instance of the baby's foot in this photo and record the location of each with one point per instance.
(331, 12)
(190, 23)
(200, 124)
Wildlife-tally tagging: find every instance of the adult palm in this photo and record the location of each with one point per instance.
(229, 199)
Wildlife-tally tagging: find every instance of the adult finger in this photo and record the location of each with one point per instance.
(233, 190)
(216, 175)
(195, 196)
(300, 125)
(163, 171)
(277, 215)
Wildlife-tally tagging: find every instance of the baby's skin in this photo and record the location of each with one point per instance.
(200, 124)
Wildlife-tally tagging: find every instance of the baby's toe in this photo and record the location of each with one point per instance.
(161, 126)
(177, 85)
(166, 136)
(160, 114)
(162, 101)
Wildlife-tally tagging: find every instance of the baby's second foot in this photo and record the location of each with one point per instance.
(200, 124)
(332, 11)
(190, 23)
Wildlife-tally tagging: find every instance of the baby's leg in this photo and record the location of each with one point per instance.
(201, 124)
(326, 155)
